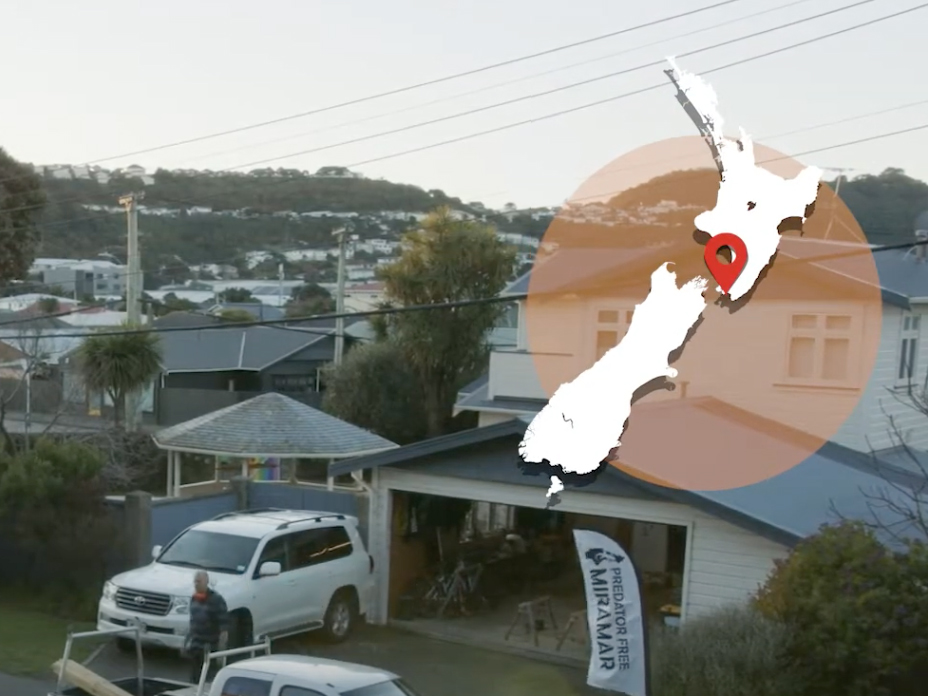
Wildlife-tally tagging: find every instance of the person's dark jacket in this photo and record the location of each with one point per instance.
(209, 618)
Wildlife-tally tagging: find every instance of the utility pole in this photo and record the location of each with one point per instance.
(133, 290)
(341, 233)
(280, 284)
(840, 172)
(698, 120)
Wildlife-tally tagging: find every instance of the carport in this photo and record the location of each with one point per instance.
(269, 427)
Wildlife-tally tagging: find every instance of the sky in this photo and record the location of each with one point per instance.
(86, 82)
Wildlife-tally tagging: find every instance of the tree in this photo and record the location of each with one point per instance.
(856, 611)
(173, 303)
(447, 260)
(22, 202)
(236, 295)
(375, 388)
(52, 496)
(236, 314)
(119, 363)
(310, 299)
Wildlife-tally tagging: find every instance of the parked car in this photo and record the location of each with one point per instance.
(281, 572)
(268, 675)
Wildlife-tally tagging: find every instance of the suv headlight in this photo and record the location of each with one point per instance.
(180, 605)
(109, 591)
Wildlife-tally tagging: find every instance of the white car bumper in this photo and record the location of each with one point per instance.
(168, 631)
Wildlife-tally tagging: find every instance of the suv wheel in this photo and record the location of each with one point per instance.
(340, 616)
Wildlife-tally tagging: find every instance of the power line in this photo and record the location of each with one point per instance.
(296, 320)
(427, 83)
(835, 146)
(506, 83)
(412, 308)
(582, 107)
(572, 85)
(548, 92)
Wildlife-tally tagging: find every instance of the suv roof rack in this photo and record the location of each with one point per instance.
(254, 511)
(314, 518)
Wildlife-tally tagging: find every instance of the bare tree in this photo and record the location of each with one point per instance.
(898, 506)
(31, 382)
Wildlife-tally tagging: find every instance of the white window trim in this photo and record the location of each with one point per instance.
(907, 334)
(819, 334)
(621, 327)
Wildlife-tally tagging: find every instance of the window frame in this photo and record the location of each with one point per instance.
(285, 565)
(253, 681)
(326, 554)
(909, 337)
(820, 334)
(619, 326)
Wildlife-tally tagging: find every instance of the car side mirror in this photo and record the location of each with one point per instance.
(155, 551)
(269, 569)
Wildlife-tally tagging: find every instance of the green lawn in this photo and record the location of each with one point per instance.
(31, 640)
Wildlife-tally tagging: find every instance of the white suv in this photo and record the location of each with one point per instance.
(281, 572)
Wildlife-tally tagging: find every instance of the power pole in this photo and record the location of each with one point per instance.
(133, 290)
(341, 233)
(280, 284)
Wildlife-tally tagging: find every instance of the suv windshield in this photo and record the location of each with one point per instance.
(388, 688)
(222, 553)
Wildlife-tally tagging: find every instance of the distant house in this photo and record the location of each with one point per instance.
(260, 312)
(213, 367)
(337, 173)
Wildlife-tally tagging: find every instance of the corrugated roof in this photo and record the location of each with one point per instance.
(271, 425)
(231, 348)
(833, 482)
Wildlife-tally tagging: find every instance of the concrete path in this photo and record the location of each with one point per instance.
(19, 686)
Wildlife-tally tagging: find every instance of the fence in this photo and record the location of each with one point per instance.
(144, 521)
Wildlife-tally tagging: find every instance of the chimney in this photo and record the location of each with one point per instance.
(921, 236)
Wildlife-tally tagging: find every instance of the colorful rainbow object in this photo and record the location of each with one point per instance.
(264, 469)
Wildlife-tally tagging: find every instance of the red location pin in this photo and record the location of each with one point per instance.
(726, 274)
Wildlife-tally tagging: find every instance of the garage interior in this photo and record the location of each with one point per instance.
(493, 573)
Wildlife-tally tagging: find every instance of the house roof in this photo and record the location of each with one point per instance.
(251, 348)
(261, 312)
(902, 276)
(47, 346)
(786, 508)
(271, 425)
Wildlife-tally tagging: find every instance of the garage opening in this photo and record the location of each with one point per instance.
(495, 573)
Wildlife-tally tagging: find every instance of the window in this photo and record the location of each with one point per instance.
(387, 688)
(295, 383)
(316, 546)
(298, 691)
(820, 348)
(246, 686)
(274, 551)
(908, 347)
(222, 553)
(611, 325)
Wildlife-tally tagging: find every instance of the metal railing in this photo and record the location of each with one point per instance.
(251, 650)
(136, 629)
(140, 664)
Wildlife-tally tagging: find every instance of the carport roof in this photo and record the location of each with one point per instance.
(786, 508)
(271, 425)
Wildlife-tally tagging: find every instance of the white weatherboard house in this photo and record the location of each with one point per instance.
(720, 545)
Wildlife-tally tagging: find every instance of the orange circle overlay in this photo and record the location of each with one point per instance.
(763, 382)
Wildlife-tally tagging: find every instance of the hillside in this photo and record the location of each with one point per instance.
(206, 217)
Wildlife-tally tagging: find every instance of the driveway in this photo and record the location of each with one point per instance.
(432, 667)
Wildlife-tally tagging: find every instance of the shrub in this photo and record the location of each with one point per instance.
(857, 612)
(52, 498)
(732, 652)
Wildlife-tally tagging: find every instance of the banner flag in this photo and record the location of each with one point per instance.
(615, 616)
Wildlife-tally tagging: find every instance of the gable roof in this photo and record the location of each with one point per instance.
(271, 425)
(249, 348)
(785, 508)
(261, 312)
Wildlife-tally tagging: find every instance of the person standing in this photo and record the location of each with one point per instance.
(209, 624)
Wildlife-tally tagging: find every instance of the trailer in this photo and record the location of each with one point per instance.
(75, 679)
